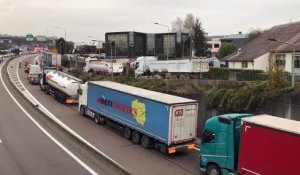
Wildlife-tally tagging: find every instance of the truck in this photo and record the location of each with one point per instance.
(52, 60)
(250, 145)
(34, 74)
(102, 67)
(172, 69)
(156, 120)
(63, 87)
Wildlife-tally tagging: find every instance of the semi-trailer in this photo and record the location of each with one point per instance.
(162, 121)
(250, 145)
(171, 69)
(63, 87)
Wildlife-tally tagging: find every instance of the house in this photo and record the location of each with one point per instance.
(213, 44)
(257, 53)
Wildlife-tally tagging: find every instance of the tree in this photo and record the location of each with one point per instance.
(199, 39)
(177, 25)
(226, 49)
(186, 25)
(189, 23)
(254, 33)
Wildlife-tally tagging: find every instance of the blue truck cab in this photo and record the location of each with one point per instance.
(220, 144)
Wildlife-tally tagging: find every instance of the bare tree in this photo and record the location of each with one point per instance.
(177, 25)
(189, 23)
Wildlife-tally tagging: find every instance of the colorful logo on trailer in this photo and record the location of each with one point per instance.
(137, 109)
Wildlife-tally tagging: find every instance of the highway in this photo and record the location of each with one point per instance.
(135, 158)
(24, 148)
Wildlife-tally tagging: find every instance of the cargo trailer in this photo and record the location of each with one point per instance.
(250, 145)
(154, 119)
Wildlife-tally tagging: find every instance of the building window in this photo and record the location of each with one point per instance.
(150, 44)
(209, 46)
(244, 64)
(208, 136)
(280, 60)
(216, 46)
(297, 62)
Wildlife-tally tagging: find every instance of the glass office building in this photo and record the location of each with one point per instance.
(134, 44)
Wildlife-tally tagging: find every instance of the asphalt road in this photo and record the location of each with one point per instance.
(133, 157)
(25, 149)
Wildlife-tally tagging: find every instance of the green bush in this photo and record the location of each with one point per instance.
(242, 74)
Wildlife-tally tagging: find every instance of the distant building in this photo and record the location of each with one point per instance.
(238, 40)
(86, 49)
(134, 44)
(257, 53)
(214, 44)
(9, 41)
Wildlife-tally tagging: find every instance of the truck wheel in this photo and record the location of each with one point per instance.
(146, 141)
(136, 137)
(47, 90)
(127, 133)
(82, 111)
(62, 98)
(55, 95)
(96, 119)
(163, 148)
(212, 170)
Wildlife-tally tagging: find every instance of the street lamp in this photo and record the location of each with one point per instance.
(99, 42)
(293, 57)
(168, 38)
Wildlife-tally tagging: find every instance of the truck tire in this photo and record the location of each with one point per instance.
(55, 95)
(212, 170)
(146, 141)
(62, 98)
(127, 133)
(96, 119)
(82, 111)
(136, 137)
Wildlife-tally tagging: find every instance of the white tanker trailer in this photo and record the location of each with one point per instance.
(63, 87)
(102, 67)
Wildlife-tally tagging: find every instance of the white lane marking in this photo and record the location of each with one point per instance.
(45, 132)
(55, 119)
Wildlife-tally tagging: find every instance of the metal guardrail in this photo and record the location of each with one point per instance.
(16, 82)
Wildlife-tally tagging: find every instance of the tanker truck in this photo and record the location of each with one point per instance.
(102, 67)
(61, 86)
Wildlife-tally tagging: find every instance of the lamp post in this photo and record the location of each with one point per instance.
(65, 30)
(168, 38)
(99, 41)
(293, 57)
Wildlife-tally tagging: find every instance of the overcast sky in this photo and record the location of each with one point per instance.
(95, 17)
